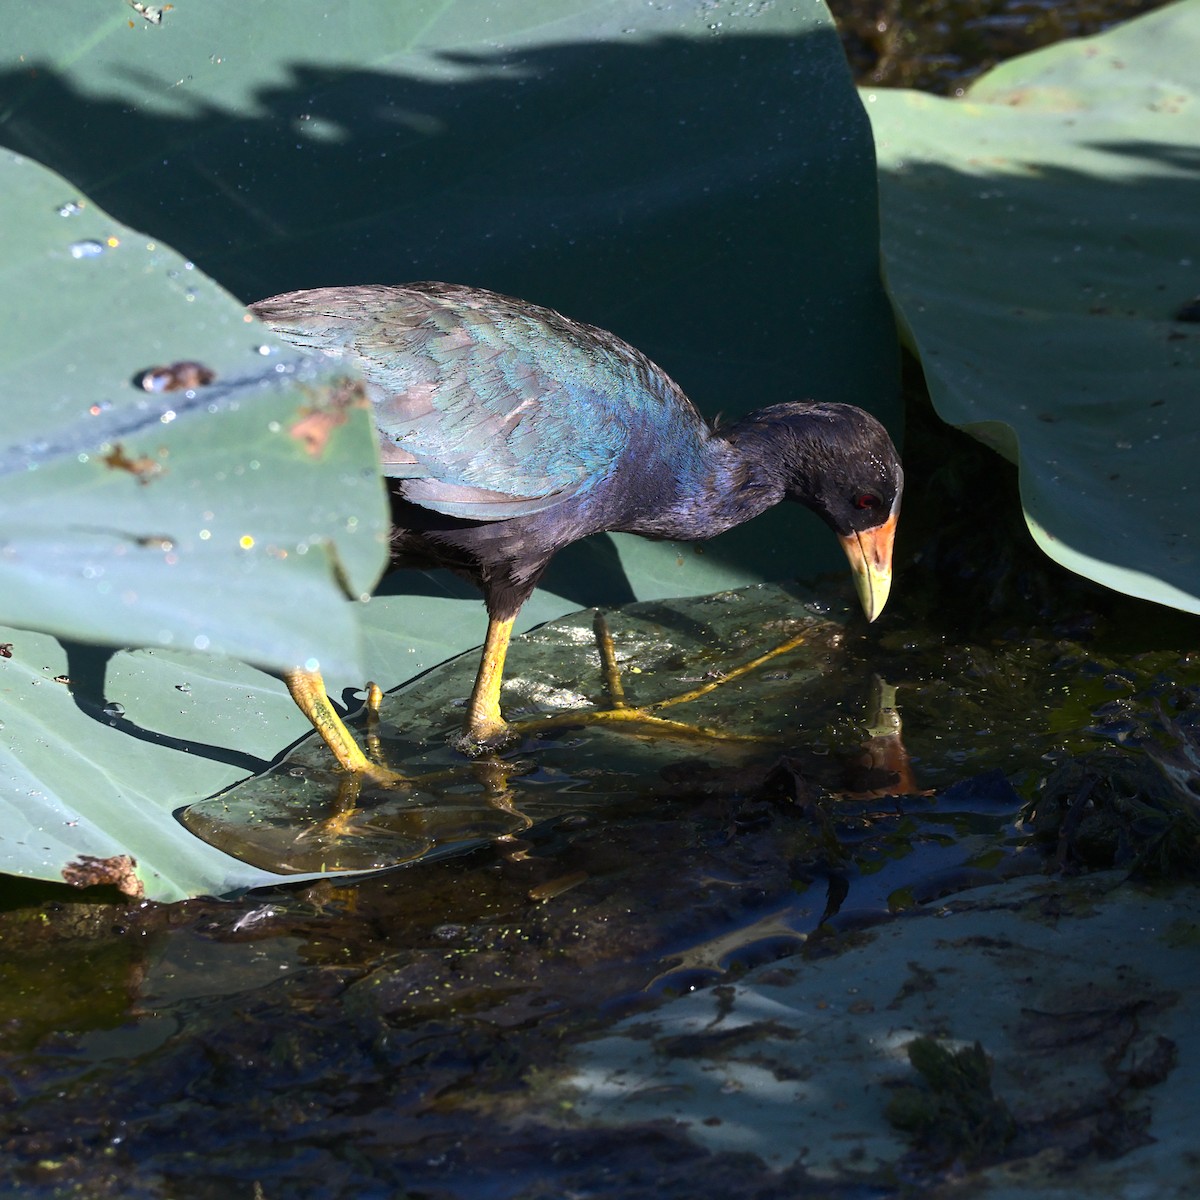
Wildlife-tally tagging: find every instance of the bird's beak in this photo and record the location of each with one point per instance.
(870, 555)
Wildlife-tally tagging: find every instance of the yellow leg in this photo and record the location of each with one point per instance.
(308, 691)
(374, 702)
(484, 721)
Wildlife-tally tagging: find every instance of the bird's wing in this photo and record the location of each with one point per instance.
(487, 408)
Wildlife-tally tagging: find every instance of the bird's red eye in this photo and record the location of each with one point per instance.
(867, 500)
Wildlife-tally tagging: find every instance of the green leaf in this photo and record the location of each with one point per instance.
(99, 748)
(179, 517)
(1039, 237)
(701, 184)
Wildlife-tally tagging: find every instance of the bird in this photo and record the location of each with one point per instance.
(508, 431)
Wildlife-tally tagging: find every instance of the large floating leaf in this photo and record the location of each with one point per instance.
(1040, 236)
(700, 182)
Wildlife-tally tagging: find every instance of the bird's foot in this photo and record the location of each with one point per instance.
(647, 715)
(308, 691)
(494, 733)
(477, 744)
(484, 738)
(369, 770)
(376, 770)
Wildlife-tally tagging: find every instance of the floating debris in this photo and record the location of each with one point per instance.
(180, 376)
(119, 871)
(152, 14)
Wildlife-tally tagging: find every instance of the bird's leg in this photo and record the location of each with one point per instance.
(485, 725)
(373, 705)
(308, 691)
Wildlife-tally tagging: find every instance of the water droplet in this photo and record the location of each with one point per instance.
(72, 208)
(265, 350)
(89, 248)
(114, 710)
(185, 688)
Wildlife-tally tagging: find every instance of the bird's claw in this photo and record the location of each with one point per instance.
(490, 739)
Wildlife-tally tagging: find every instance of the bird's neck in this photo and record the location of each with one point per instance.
(739, 474)
(758, 466)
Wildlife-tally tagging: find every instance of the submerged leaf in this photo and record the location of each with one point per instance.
(298, 819)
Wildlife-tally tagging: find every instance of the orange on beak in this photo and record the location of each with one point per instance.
(870, 555)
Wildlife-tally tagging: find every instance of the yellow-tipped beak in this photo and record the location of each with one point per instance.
(870, 555)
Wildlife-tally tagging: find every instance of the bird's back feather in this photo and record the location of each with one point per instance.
(489, 408)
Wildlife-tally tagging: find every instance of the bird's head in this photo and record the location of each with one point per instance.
(841, 464)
